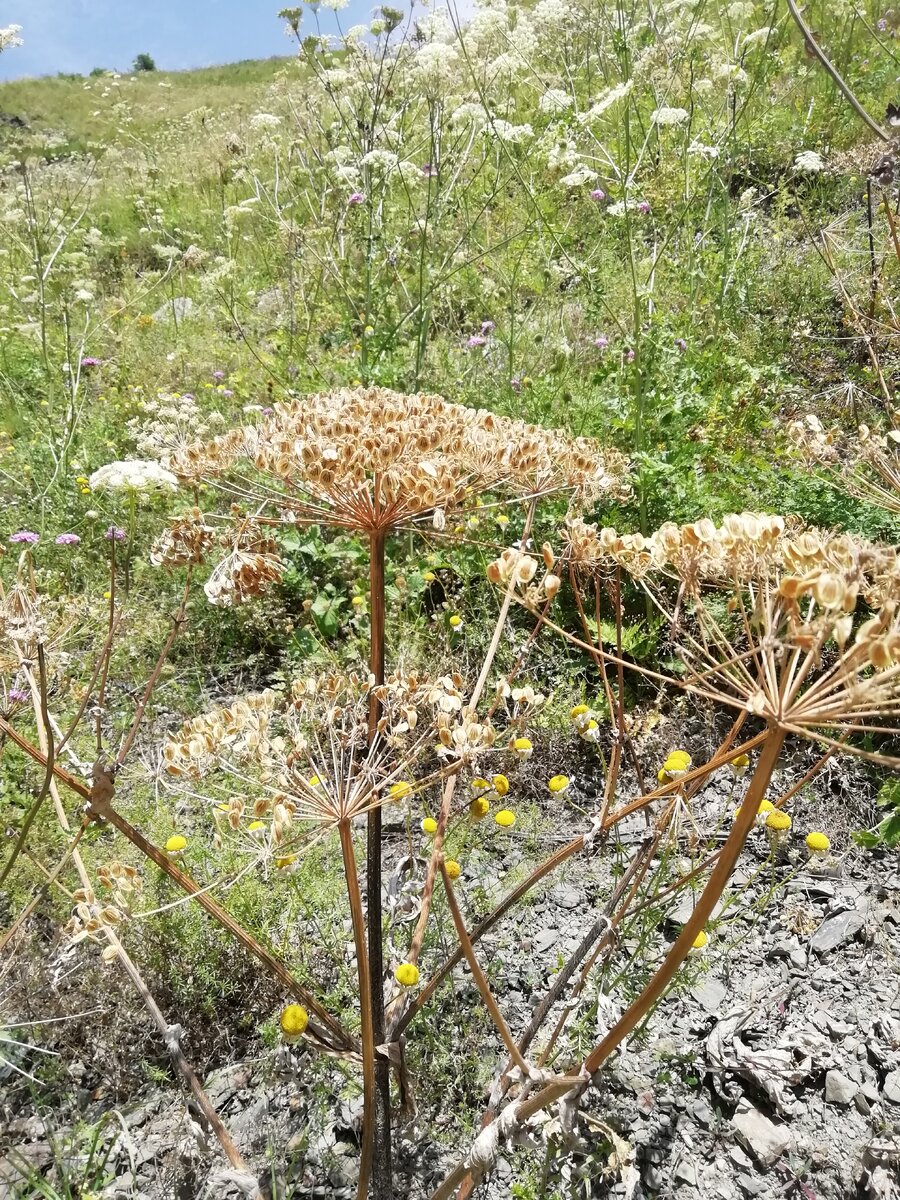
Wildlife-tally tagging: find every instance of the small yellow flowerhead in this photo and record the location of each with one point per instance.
(314, 781)
(590, 730)
(501, 783)
(502, 520)
(505, 818)
(479, 784)
(479, 808)
(455, 621)
(453, 869)
(778, 826)
(400, 790)
(256, 827)
(700, 940)
(676, 765)
(578, 711)
(429, 576)
(523, 748)
(286, 862)
(293, 1021)
(739, 764)
(429, 826)
(358, 601)
(559, 783)
(176, 844)
(407, 974)
(817, 844)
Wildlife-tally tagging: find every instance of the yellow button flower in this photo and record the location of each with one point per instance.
(453, 869)
(429, 826)
(176, 843)
(778, 820)
(505, 817)
(407, 974)
(429, 576)
(740, 763)
(479, 785)
(817, 844)
(558, 784)
(578, 711)
(523, 748)
(455, 621)
(501, 783)
(401, 789)
(314, 781)
(700, 940)
(293, 1021)
(479, 808)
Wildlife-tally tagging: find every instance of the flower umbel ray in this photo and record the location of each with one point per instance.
(794, 626)
(371, 460)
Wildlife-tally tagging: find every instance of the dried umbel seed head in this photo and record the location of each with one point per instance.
(186, 542)
(369, 458)
(250, 568)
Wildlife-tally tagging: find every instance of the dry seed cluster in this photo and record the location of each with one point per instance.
(381, 458)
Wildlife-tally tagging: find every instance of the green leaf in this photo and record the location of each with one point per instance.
(326, 612)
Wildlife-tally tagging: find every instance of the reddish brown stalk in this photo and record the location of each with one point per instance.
(638, 1010)
(379, 1116)
(337, 1039)
(365, 1008)
(478, 975)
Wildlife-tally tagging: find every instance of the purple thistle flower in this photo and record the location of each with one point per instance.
(488, 327)
(475, 341)
(87, 363)
(218, 375)
(429, 170)
(267, 412)
(644, 207)
(629, 356)
(227, 392)
(881, 25)
(516, 383)
(356, 198)
(26, 536)
(601, 342)
(18, 694)
(115, 534)
(681, 344)
(67, 539)
(598, 194)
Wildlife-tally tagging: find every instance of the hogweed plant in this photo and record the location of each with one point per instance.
(796, 632)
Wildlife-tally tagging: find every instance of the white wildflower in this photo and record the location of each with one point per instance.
(606, 100)
(135, 474)
(702, 86)
(669, 116)
(262, 120)
(554, 100)
(382, 162)
(580, 176)
(506, 132)
(706, 152)
(9, 38)
(810, 161)
(756, 37)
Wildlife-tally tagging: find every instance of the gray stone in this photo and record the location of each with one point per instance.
(654, 1177)
(862, 1104)
(798, 958)
(835, 931)
(750, 1185)
(765, 1140)
(686, 1172)
(838, 1088)
(709, 994)
(703, 1114)
(892, 1087)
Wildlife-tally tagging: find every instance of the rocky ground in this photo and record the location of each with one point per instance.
(773, 1070)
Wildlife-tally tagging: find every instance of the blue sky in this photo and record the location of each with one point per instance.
(77, 35)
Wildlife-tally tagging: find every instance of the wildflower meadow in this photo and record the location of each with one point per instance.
(450, 611)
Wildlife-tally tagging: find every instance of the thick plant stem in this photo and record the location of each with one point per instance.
(381, 1165)
(365, 1007)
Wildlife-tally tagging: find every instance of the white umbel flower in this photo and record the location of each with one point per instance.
(136, 474)
(669, 116)
(809, 161)
(554, 100)
(9, 38)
